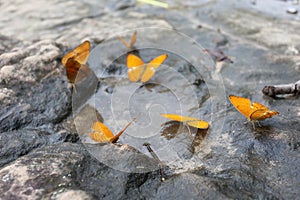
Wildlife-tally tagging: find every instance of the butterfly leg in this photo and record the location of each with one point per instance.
(74, 88)
(190, 133)
(253, 125)
(259, 124)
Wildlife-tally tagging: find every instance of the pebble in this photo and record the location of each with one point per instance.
(292, 11)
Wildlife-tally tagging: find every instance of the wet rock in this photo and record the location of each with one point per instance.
(55, 170)
(67, 169)
(121, 5)
(71, 194)
(122, 157)
(14, 144)
(248, 23)
(40, 173)
(188, 186)
(8, 43)
(41, 105)
(27, 76)
(235, 161)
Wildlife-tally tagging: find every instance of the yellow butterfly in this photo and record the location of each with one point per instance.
(190, 121)
(253, 112)
(75, 61)
(138, 70)
(132, 41)
(101, 133)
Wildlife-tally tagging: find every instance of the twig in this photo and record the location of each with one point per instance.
(285, 89)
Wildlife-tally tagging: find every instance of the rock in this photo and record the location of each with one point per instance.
(29, 63)
(72, 194)
(40, 173)
(188, 186)
(41, 105)
(14, 144)
(41, 157)
(54, 170)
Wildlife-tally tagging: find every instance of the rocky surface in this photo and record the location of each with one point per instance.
(44, 152)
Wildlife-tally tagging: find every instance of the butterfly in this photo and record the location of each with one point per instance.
(253, 112)
(190, 121)
(101, 133)
(132, 41)
(138, 70)
(75, 62)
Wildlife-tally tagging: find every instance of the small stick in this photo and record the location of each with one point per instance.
(285, 89)
(156, 158)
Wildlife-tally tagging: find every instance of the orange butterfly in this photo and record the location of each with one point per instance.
(102, 134)
(254, 111)
(190, 121)
(75, 61)
(138, 70)
(132, 41)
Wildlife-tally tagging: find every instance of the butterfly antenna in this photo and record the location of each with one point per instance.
(116, 137)
(153, 154)
(123, 41)
(133, 39)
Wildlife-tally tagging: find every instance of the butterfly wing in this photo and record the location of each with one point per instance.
(76, 71)
(175, 117)
(101, 133)
(135, 67)
(258, 106)
(243, 105)
(80, 54)
(156, 62)
(191, 121)
(147, 74)
(199, 124)
(83, 52)
(134, 61)
(72, 67)
(150, 68)
(179, 118)
(261, 112)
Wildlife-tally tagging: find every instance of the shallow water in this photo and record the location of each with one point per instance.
(177, 87)
(230, 152)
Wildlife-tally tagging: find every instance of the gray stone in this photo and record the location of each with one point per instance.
(188, 186)
(41, 156)
(14, 144)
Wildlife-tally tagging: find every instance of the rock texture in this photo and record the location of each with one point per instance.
(41, 156)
